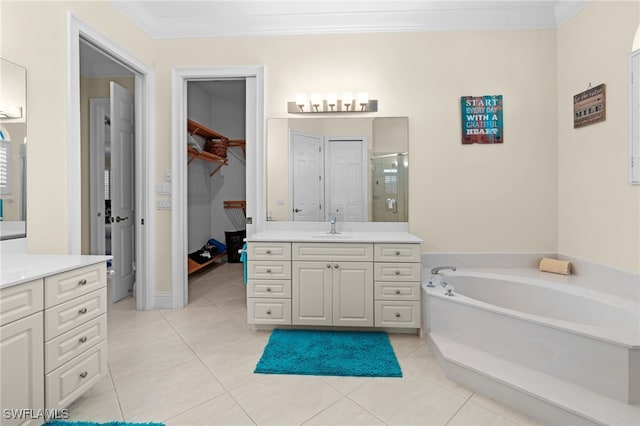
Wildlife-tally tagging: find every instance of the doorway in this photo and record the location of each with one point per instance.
(78, 166)
(255, 206)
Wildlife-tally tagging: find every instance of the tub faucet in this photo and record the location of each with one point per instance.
(437, 269)
(332, 220)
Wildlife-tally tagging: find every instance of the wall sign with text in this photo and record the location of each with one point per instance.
(482, 119)
(589, 107)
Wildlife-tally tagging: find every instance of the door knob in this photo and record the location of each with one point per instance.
(120, 219)
(297, 210)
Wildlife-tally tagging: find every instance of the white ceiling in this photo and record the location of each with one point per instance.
(162, 19)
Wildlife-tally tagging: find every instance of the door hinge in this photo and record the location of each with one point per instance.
(141, 221)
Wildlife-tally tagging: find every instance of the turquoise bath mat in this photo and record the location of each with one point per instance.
(329, 353)
(79, 423)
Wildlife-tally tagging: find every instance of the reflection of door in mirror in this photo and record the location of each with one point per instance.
(13, 149)
(389, 187)
(293, 181)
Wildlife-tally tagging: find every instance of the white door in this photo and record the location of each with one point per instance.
(346, 179)
(122, 191)
(306, 181)
(100, 134)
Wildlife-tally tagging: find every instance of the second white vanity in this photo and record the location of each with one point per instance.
(351, 279)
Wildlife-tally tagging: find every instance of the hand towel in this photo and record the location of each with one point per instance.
(555, 266)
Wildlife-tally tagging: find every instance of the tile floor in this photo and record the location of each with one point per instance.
(194, 366)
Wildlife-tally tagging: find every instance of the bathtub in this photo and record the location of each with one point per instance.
(586, 338)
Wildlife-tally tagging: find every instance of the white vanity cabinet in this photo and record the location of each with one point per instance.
(332, 284)
(21, 357)
(269, 283)
(75, 333)
(53, 332)
(357, 280)
(397, 285)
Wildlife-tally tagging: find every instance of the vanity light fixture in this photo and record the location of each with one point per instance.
(332, 103)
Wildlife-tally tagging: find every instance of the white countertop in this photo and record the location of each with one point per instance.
(343, 237)
(20, 268)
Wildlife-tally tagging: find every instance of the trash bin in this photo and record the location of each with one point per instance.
(235, 241)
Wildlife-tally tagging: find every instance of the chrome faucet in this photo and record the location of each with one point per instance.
(437, 269)
(332, 220)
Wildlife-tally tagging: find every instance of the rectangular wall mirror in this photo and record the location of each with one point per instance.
(354, 169)
(13, 150)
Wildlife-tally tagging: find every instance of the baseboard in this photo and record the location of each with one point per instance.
(163, 300)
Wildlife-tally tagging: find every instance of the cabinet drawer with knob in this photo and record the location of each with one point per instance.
(397, 272)
(397, 314)
(269, 251)
(396, 253)
(269, 288)
(397, 290)
(67, 346)
(265, 269)
(66, 383)
(269, 311)
(65, 286)
(68, 315)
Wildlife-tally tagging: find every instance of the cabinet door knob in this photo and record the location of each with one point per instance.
(82, 282)
(84, 374)
(328, 265)
(397, 252)
(336, 266)
(397, 314)
(397, 291)
(269, 312)
(82, 311)
(83, 339)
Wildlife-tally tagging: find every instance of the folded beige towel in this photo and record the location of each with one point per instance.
(555, 266)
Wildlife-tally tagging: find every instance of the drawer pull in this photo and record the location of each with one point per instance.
(397, 314)
(83, 339)
(84, 374)
(397, 272)
(82, 282)
(82, 311)
(269, 312)
(268, 289)
(268, 270)
(397, 252)
(397, 291)
(268, 251)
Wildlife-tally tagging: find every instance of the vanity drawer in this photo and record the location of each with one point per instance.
(64, 317)
(268, 269)
(397, 290)
(397, 253)
(269, 251)
(269, 288)
(20, 300)
(67, 346)
(68, 285)
(343, 252)
(269, 311)
(397, 272)
(71, 380)
(397, 314)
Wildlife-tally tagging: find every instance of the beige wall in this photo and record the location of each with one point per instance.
(33, 34)
(498, 198)
(599, 211)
